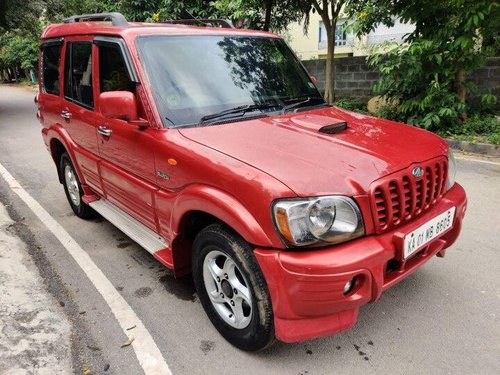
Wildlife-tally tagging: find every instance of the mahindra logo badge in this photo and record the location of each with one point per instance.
(417, 172)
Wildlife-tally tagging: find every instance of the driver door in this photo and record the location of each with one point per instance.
(127, 160)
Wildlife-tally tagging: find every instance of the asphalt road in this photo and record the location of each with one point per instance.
(445, 318)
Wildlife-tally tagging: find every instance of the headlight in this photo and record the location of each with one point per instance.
(315, 221)
(452, 170)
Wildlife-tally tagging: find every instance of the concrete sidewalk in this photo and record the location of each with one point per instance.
(34, 331)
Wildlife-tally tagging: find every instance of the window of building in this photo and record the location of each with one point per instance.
(113, 74)
(78, 73)
(51, 56)
(340, 35)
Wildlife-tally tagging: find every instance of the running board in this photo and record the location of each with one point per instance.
(137, 231)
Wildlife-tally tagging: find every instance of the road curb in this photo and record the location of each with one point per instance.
(476, 148)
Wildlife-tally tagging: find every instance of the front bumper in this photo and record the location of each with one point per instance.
(307, 287)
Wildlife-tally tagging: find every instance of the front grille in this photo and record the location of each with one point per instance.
(400, 197)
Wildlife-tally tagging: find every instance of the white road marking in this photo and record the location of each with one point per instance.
(478, 161)
(148, 354)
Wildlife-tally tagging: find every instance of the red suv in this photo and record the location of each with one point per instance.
(212, 148)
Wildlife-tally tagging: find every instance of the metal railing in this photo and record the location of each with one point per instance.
(378, 39)
(338, 43)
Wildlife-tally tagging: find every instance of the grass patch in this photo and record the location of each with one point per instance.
(351, 105)
(477, 129)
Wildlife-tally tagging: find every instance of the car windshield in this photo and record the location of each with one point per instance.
(196, 77)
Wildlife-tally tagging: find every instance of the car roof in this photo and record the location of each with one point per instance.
(134, 29)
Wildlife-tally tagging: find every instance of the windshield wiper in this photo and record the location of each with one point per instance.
(301, 101)
(240, 109)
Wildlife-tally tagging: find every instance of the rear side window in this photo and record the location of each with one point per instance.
(51, 57)
(78, 73)
(113, 74)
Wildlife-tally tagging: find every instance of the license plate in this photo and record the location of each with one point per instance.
(421, 236)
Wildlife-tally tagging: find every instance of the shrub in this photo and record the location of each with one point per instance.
(351, 104)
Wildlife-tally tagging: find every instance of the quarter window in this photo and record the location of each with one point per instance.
(78, 73)
(51, 57)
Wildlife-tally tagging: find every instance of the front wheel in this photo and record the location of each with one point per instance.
(73, 189)
(232, 289)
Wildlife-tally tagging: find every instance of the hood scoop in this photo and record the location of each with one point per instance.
(334, 128)
(321, 124)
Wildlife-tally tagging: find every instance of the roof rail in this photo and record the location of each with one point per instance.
(117, 19)
(203, 22)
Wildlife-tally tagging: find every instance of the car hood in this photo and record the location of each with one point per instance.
(293, 150)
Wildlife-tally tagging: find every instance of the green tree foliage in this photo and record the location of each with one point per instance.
(56, 10)
(19, 30)
(18, 51)
(427, 74)
(133, 10)
(21, 15)
(261, 14)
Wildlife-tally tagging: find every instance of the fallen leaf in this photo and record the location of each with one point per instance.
(128, 342)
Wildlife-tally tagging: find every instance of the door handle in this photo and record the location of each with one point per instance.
(104, 130)
(66, 114)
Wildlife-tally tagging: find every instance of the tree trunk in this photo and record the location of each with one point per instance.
(16, 74)
(330, 26)
(330, 68)
(267, 19)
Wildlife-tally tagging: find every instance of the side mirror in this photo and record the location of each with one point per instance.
(314, 80)
(119, 104)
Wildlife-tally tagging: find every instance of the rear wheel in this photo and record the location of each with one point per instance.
(232, 289)
(73, 189)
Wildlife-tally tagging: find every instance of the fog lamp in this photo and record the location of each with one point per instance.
(348, 286)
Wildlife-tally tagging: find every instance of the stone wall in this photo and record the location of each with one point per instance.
(354, 78)
(487, 78)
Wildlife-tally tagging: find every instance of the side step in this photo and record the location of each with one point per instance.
(137, 231)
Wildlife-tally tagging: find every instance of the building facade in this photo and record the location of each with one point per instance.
(313, 44)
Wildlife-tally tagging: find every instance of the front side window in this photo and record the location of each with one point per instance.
(113, 74)
(195, 76)
(51, 56)
(78, 73)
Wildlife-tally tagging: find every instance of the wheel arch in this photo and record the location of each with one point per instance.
(202, 206)
(57, 149)
(59, 143)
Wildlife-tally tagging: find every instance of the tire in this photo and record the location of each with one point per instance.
(240, 306)
(73, 189)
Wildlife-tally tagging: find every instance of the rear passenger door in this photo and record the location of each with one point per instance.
(78, 106)
(126, 149)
